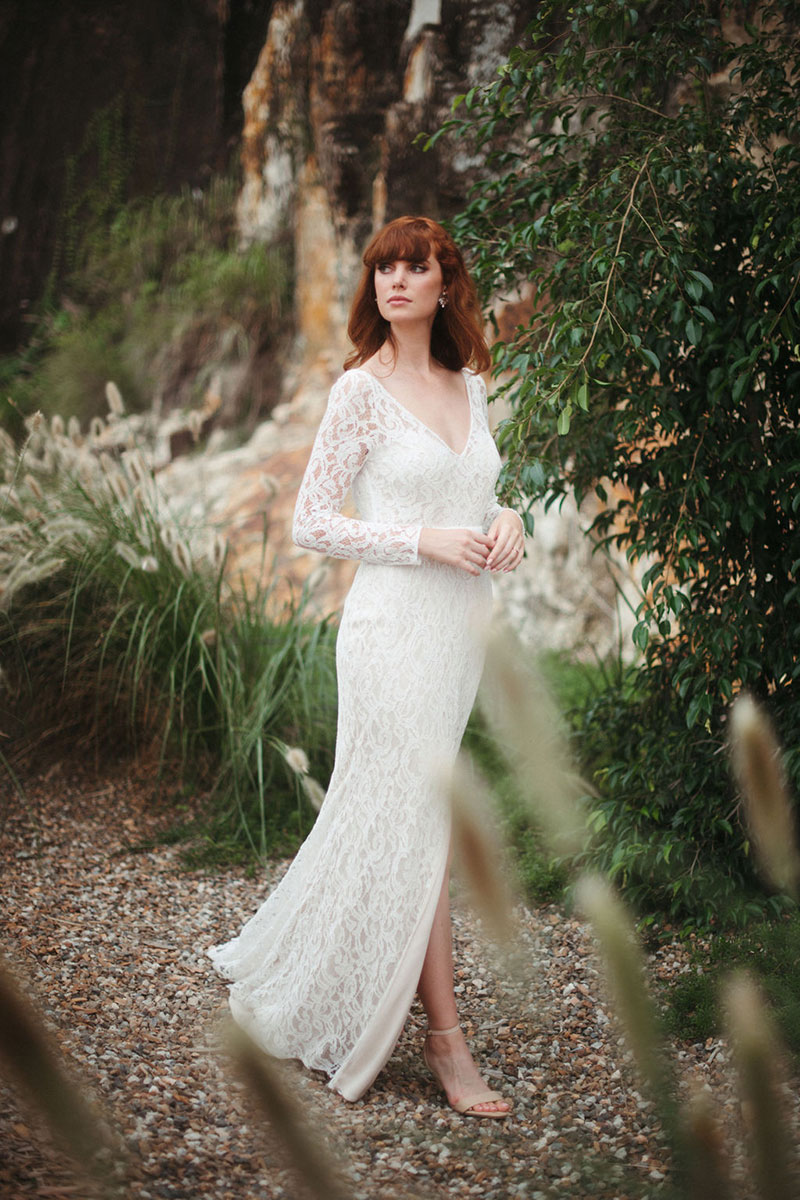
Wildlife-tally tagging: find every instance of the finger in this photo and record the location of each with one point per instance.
(509, 557)
(501, 551)
(516, 559)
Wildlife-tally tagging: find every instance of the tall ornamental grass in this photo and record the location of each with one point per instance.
(118, 622)
(703, 1163)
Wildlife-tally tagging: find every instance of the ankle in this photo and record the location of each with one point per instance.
(429, 1032)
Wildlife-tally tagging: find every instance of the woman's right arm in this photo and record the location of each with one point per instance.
(347, 432)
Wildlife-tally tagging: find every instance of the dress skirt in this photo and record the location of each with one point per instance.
(327, 968)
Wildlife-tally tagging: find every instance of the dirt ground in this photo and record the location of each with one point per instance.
(105, 929)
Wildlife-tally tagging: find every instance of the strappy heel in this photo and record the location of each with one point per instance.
(465, 1106)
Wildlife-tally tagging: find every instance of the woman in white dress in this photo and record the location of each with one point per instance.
(327, 968)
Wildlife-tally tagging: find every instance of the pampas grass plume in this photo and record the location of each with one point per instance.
(706, 1162)
(114, 398)
(118, 486)
(217, 551)
(126, 552)
(477, 851)
(28, 1053)
(33, 485)
(297, 759)
(755, 1053)
(315, 792)
(134, 461)
(181, 556)
(756, 758)
(268, 1087)
(620, 952)
(195, 424)
(524, 718)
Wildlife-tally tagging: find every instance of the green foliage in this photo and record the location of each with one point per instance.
(770, 950)
(160, 296)
(117, 623)
(656, 830)
(643, 192)
(95, 185)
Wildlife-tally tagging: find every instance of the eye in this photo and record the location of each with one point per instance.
(384, 268)
(419, 267)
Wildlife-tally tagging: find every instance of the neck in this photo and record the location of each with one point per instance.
(412, 351)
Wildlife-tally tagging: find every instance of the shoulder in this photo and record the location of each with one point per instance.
(352, 408)
(352, 390)
(474, 379)
(475, 383)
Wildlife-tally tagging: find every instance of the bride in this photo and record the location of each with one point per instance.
(327, 968)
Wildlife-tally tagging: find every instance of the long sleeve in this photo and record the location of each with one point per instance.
(348, 431)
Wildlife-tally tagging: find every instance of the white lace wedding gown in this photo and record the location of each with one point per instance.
(327, 968)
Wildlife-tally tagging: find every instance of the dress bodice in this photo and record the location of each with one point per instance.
(403, 475)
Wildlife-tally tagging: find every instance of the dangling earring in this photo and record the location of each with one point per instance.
(443, 298)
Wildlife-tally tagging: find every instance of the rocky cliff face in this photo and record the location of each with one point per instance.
(331, 113)
(337, 91)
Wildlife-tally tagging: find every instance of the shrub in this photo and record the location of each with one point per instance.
(643, 193)
(770, 950)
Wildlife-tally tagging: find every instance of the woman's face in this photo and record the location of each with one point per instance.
(408, 291)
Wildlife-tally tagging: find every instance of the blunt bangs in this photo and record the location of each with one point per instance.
(399, 241)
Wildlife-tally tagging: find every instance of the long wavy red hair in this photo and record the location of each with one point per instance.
(457, 338)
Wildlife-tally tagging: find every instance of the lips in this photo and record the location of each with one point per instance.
(398, 300)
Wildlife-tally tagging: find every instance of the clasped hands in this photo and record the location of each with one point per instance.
(500, 549)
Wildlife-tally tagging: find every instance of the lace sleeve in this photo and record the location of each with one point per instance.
(348, 431)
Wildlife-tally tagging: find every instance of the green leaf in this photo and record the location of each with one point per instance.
(641, 635)
(740, 387)
(702, 279)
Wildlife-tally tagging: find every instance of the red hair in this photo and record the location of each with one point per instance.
(457, 338)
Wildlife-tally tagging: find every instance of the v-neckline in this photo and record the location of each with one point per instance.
(456, 453)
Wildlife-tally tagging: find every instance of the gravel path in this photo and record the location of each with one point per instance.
(108, 940)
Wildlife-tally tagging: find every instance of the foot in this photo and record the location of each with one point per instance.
(447, 1056)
